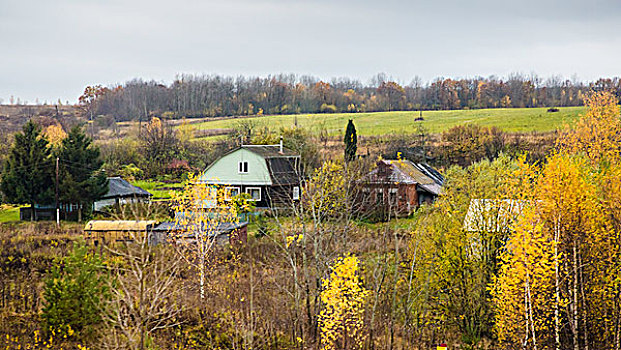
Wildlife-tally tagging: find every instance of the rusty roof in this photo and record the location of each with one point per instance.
(405, 172)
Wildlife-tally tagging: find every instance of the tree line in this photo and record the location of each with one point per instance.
(214, 95)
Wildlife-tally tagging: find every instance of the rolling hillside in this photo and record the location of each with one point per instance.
(368, 124)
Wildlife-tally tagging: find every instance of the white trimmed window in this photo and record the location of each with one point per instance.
(230, 192)
(255, 193)
(242, 167)
(296, 193)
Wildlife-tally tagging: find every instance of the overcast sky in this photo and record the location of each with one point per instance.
(53, 49)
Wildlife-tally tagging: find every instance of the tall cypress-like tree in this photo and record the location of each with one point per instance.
(351, 141)
(28, 171)
(82, 181)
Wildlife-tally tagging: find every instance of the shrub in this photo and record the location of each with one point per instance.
(326, 108)
(467, 144)
(177, 168)
(131, 172)
(74, 292)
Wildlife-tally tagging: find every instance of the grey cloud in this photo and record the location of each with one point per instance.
(53, 49)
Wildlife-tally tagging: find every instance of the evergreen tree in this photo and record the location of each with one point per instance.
(28, 171)
(351, 141)
(75, 290)
(82, 180)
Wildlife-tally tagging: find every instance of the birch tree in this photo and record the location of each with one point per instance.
(199, 210)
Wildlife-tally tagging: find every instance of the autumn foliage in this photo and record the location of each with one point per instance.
(558, 285)
(344, 296)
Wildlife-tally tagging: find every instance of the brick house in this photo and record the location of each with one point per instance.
(399, 187)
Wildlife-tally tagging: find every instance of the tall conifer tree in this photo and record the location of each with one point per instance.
(351, 141)
(82, 181)
(28, 171)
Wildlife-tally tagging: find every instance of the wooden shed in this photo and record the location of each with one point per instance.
(111, 231)
(120, 192)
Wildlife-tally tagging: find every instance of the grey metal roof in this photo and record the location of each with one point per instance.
(270, 151)
(220, 228)
(283, 171)
(118, 187)
(430, 172)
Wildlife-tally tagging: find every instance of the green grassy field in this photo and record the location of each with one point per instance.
(159, 190)
(380, 123)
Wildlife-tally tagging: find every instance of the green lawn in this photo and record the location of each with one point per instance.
(8, 214)
(380, 123)
(159, 190)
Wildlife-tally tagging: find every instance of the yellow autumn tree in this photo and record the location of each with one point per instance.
(199, 210)
(559, 284)
(595, 269)
(185, 131)
(326, 192)
(523, 290)
(55, 134)
(344, 297)
(581, 182)
(597, 134)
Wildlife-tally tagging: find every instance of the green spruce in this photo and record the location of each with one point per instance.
(28, 172)
(82, 181)
(76, 289)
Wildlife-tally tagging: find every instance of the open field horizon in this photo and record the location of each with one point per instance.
(380, 123)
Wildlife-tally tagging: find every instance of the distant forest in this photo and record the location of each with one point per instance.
(215, 95)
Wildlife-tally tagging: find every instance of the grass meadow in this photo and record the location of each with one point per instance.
(381, 123)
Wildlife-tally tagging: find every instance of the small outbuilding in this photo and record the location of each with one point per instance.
(120, 192)
(114, 231)
(223, 232)
(99, 232)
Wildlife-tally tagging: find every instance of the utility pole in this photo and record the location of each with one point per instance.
(57, 204)
(92, 126)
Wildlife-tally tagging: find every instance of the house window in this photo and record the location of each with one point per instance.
(255, 193)
(296, 193)
(393, 195)
(230, 192)
(242, 167)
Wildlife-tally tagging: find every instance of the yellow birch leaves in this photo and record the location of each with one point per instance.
(558, 282)
(341, 321)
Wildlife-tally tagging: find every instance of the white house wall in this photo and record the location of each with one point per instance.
(225, 170)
